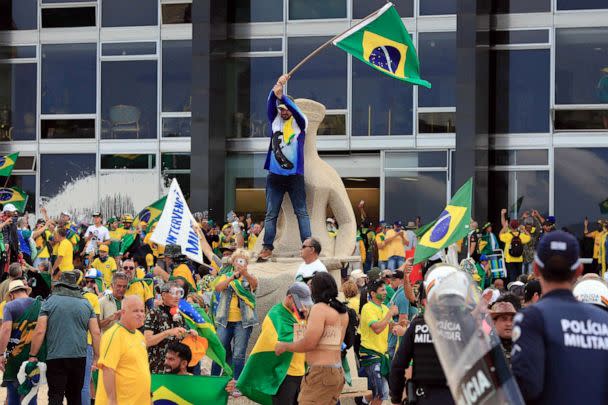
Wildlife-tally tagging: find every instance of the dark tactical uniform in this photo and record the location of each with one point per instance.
(560, 351)
(157, 321)
(428, 377)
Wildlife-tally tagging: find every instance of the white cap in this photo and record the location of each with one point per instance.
(67, 214)
(9, 208)
(357, 274)
(592, 291)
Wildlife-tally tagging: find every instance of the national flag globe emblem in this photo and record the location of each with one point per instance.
(386, 57)
(145, 215)
(165, 402)
(6, 194)
(441, 227)
(2, 161)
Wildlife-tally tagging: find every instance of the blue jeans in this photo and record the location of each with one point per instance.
(377, 383)
(13, 396)
(86, 386)
(276, 187)
(234, 338)
(394, 262)
(383, 264)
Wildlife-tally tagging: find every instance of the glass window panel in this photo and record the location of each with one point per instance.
(257, 45)
(316, 9)
(437, 53)
(176, 165)
(121, 13)
(68, 183)
(65, 1)
(126, 191)
(576, 120)
(519, 37)
(437, 123)
(25, 163)
(363, 8)
(581, 4)
(415, 159)
(177, 75)
(245, 184)
(381, 106)
(180, 127)
(252, 79)
(128, 48)
(128, 161)
(334, 124)
(508, 187)
(244, 11)
(520, 6)
(437, 7)
(27, 183)
(18, 102)
(128, 99)
(428, 187)
(177, 13)
(14, 52)
(577, 193)
(183, 179)
(518, 157)
(68, 129)
(576, 82)
(18, 15)
(68, 17)
(323, 78)
(520, 91)
(69, 88)
(175, 161)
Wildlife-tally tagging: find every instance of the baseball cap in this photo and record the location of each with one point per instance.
(483, 258)
(502, 308)
(300, 292)
(398, 223)
(398, 274)
(374, 274)
(96, 214)
(558, 243)
(92, 273)
(487, 224)
(9, 208)
(515, 284)
(16, 285)
(532, 287)
(104, 248)
(282, 106)
(67, 214)
(357, 274)
(551, 219)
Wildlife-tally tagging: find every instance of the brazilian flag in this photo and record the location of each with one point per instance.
(7, 163)
(172, 389)
(150, 215)
(382, 42)
(14, 196)
(451, 226)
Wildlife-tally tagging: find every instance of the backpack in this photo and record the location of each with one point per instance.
(517, 247)
(351, 329)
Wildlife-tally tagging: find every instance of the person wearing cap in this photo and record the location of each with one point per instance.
(396, 241)
(96, 235)
(514, 239)
(42, 237)
(489, 241)
(115, 236)
(381, 246)
(411, 235)
(560, 345)
(483, 271)
(64, 320)
(105, 264)
(137, 285)
(532, 293)
(285, 164)
(281, 324)
(502, 313)
(9, 232)
(18, 322)
(310, 251)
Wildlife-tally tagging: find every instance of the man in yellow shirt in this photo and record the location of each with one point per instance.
(514, 238)
(395, 243)
(65, 253)
(137, 286)
(381, 243)
(86, 387)
(597, 236)
(124, 376)
(105, 264)
(376, 321)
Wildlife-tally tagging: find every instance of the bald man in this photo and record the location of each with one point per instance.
(123, 364)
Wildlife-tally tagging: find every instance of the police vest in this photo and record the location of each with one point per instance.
(427, 369)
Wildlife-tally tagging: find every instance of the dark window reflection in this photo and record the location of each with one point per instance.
(128, 161)
(520, 91)
(437, 55)
(576, 120)
(68, 17)
(128, 48)
(518, 157)
(121, 13)
(177, 127)
(415, 159)
(18, 102)
(578, 82)
(177, 13)
(256, 45)
(323, 78)
(175, 161)
(428, 187)
(252, 79)
(363, 8)
(18, 15)
(27, 183)
(577, 192)
(581, 4)
(128, 99)
(381, 104)
(519, 37)
(177, 75)
(243, 11)
(68, 129)
(520, 6)
(334, 124)
(316, 9)
(437, 7)
(176, 165)
(69, 88)
(59, 172)
(15, 52)
(437, 122)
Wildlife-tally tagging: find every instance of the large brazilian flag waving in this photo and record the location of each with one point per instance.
(382, 42)
(451, 226)
(7, 163)
(172, 389)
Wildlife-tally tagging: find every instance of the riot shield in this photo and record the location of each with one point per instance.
(468, 349)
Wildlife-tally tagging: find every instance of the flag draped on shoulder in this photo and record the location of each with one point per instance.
(15, 196)
(188, 389)
(382, 42)
(451, 226)
(7, 163)
(264, 372)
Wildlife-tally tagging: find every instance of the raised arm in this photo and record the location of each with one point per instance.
(298, 115)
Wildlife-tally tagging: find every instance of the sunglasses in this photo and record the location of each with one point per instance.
(128, 267)
(90, 281)
(305, 246)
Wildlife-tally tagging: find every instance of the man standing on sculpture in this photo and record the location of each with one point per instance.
(285, 164)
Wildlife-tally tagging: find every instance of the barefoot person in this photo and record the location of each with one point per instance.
(322, 343)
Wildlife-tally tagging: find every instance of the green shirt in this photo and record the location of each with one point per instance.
(389, 295)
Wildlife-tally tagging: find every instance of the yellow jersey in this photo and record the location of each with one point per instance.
(371, 313)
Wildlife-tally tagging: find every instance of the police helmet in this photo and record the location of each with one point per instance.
(592, 290)
(458, 281)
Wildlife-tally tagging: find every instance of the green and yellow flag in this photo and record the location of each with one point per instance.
(150, 215)
(188, 389)
(7, 163)
(14, 196)
(264, 372)
(382, 42)
(451, 226)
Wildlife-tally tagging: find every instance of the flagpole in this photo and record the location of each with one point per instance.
(326, 44)
(6, 182)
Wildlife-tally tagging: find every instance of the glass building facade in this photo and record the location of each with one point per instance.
(97, 96)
